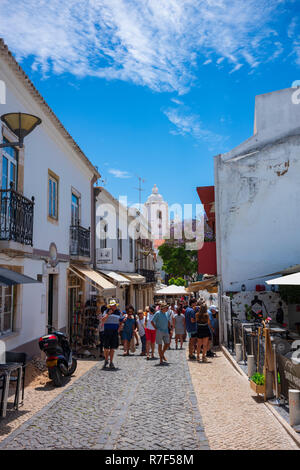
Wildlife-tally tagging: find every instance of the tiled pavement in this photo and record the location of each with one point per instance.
(141, 405)
(233, 417)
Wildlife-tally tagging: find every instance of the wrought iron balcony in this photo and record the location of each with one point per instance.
(16, 217)
(79, 241)
(148, 274)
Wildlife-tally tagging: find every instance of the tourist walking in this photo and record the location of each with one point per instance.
(171, 315)
(112, 321)
(141, 329)
(213, 316)
(191, 327)
(204, 329)
(179, 327)
(150, 332)
(161, 323)
(128, 330)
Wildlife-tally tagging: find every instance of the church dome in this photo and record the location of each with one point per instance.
(155, 196)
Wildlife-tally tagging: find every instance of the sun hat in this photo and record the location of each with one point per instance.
(112, 302)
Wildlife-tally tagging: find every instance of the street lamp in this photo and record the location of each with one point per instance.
(21, 124)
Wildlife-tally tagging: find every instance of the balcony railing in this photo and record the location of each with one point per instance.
(16, 217)
(148, 274)
(79, 241)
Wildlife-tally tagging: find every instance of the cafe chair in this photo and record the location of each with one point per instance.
(21, 358)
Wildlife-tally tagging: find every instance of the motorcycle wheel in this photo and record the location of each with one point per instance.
(56, 376)
(73, 367)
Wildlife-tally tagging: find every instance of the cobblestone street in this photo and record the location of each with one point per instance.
(142, 405)
(139, 406)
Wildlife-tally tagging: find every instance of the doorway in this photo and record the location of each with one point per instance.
(52, 301)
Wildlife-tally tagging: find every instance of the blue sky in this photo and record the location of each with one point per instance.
(155, 88)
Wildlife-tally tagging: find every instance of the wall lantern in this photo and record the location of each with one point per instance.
(21, 124)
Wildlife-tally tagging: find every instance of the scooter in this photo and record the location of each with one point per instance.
(59, 361)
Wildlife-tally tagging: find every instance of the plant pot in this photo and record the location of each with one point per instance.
(257, 388)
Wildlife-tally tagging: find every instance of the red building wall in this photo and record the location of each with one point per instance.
(207, 259)
(207, 256)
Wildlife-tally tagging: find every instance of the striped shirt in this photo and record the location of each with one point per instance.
(113, 321)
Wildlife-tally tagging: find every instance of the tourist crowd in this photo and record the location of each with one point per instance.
(157, 325)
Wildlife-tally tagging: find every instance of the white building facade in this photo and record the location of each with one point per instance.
(121, 256)
(53, 170)
(257, 197)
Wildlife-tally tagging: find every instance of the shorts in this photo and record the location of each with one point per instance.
(203, 332)
(111, 339)
(161, 336)
(150, 335)
(192, 335)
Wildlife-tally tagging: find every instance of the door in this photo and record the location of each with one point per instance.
(50, 300)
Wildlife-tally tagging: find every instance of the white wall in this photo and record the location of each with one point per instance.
(258, 198)
(104, 203)
(45, 149)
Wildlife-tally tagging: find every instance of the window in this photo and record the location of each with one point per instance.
(52, 196)
(103, 236)
(75, 218)
(9, 167)
(130, 250)
(119, 240)
(6, 309)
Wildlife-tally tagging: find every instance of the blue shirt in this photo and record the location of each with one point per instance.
(161, 321)
(190, 326)
(213, 321)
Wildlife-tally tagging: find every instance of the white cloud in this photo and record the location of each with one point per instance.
(176, 101)
(219, 61)
(155, 43)
(119, 173)
(208, 61)
(187, 123)
(237, 67)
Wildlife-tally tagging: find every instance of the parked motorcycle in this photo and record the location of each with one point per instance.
(59, 361)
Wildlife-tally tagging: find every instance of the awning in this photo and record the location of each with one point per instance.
(290, 280)
(135, 278)
(102, 284)
(202, 285)
(116, 277)
(10, 278)
(172, 290)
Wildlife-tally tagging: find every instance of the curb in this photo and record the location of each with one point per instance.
(290, 431)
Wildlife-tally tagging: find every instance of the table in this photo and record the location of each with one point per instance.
(5, 373)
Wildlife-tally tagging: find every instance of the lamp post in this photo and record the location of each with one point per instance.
(21, 124)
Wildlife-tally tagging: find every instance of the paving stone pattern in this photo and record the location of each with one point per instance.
(141, 405)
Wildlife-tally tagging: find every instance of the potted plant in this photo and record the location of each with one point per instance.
(257, 383)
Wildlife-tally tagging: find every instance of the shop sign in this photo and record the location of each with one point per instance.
(104, 255)
(289, 374)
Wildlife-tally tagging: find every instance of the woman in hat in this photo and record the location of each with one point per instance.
(128, 329)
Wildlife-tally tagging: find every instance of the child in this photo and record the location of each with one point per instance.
(141, 328)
